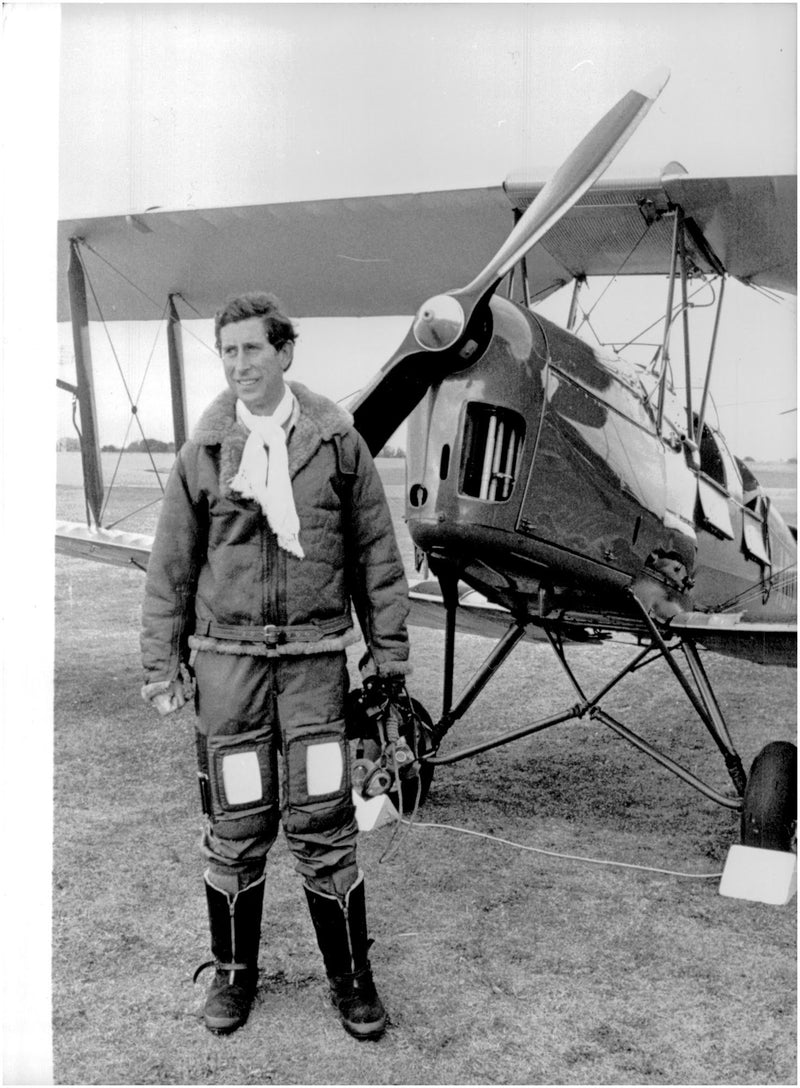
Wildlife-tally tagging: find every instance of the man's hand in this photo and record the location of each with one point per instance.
(166, 702)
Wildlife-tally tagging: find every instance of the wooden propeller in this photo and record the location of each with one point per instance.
(443, 336)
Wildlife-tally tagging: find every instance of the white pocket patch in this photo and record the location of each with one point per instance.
(241, 778)
(324, 768)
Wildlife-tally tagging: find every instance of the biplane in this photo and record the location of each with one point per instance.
(552, 487)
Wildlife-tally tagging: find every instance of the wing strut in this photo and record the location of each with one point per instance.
(176, 373)
(662, 385)
(686, 351)
(573, 306)
(90, 443)
(704, 402)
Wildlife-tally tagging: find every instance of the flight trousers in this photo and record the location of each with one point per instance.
(272, 749)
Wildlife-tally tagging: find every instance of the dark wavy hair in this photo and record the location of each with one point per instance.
(277, 325)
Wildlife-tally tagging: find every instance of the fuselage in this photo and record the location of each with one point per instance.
(540, 476)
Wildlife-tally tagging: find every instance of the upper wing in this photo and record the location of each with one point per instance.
(381, 255)
(357, 257)
(744, 226)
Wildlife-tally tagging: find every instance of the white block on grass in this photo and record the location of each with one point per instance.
(762, 876)
(373, 812)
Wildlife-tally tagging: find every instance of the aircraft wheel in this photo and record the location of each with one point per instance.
(769, 815)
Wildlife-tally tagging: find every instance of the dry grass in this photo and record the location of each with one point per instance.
(497, 965)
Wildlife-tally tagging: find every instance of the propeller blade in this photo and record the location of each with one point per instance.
(446, 323)
(590, 159)
(395, 391)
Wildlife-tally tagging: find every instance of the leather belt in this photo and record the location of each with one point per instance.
(272, 635)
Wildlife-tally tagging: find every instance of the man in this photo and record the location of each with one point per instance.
(274, 520)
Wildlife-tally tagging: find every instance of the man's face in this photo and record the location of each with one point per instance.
(253, 368)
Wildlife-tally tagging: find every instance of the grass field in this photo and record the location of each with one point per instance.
(498, 965)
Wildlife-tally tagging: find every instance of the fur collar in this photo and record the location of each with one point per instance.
(318, 421)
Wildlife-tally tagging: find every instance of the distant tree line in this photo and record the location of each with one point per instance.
(154, 445)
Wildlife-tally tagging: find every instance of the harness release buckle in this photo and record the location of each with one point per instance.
(273, 636)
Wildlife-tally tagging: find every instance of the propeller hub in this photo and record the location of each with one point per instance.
(439, 323)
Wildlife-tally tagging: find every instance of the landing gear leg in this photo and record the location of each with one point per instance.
(703, 699)
(448, 580)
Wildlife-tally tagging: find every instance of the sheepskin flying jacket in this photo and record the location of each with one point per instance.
(215, 560)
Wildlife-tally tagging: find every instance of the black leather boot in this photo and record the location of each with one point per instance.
(235, 922)
(341, 928)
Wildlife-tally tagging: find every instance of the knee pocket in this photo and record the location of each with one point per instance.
(317, 779)
(238, 782)
(259, 825)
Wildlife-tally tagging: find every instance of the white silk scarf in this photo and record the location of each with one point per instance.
(264, 472)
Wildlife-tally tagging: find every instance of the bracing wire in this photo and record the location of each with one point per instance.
(134, 414)
(152, 353)
(132, 513)
(587, 314)
(675, 315)
(108, 336)
(121, 274)
(186, 302)
(131, 400)
(778, 580)
(154, 302)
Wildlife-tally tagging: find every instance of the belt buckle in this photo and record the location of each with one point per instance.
(272, 634)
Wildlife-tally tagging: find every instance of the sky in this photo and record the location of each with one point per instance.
(229, 104)
(223, 104)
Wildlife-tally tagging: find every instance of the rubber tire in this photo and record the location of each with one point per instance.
(769, 813)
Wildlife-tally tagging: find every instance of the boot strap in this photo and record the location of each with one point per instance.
(354, 977)
(220, 967)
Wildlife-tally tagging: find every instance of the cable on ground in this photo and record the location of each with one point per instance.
(565, 857)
